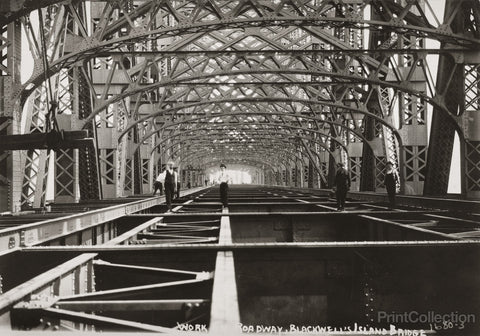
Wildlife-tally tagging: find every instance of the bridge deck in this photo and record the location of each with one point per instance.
(276, 257)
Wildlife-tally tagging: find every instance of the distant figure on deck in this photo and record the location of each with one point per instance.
(391, 182)
(169, 180)
(223, 180)
(342, 185)
(177, 191)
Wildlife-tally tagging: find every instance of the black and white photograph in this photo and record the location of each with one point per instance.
(240, 167)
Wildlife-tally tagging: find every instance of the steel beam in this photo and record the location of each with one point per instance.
(78, 317)
(129, 305)
(27, 288)
(37, 233)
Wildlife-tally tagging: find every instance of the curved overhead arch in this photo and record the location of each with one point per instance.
(280, 17)
(304, 158)
(259, 154)
(359, 135)
(351, 79)
(265, 99)
(246, 72)
(189, 138)
(312, 17)
(230, 143)
(261, 161)
(252, 162)
(269, 151)
(236, 145)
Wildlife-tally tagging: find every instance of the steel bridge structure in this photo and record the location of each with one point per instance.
(286, 87)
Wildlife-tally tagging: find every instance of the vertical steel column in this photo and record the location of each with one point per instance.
(10, 170)
(368, 165)
(75, 103)
(471, 129)
(373, 151)
(137, 165)
(288, 175)
(451, 92)
(89, 183)
(413, 113)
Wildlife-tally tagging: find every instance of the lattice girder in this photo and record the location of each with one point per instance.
(183, 70)
(140, 27)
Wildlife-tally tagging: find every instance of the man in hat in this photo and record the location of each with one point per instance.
(342, 184)
(169, 180)
(391, 182)
(223, 180)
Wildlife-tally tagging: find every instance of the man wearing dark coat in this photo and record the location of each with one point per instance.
(342, 185)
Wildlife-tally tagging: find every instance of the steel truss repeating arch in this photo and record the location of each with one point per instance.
(269, 151)
(371, 79)
(301, 157)
(290, 157)
(94, 45)
(272, 163)
(271, 137)
(272, 13)
(253, 160)
(321, 80)
(274, 151)
(249, 163)
(265, 99)
(404, 88)
(280, 140)
(262, 164)
(221, 126)
(285, 125)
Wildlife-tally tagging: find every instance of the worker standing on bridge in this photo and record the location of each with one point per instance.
(391, 182)
(169, 180)
(223, 180)
(177, 178)
(342, 185)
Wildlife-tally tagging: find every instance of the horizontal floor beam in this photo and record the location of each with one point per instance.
(284, 213)
(132, 305)
(242, 246)
(51, 229)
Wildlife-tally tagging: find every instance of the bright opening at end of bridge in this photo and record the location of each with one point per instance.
(240, 174)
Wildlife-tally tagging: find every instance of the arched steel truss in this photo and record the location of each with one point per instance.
(165, 73)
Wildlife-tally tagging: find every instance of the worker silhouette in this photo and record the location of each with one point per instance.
(342, 185)
(391, 182)
(169, 180)
(223, 180)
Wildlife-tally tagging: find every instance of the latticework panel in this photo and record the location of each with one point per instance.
(128, 176)
(260, 77)
(107, 166)
(355, 171)
(65, 173)
(145, 171)
(380, 172)
(472, 87)
(472, 169)
(415, 163)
